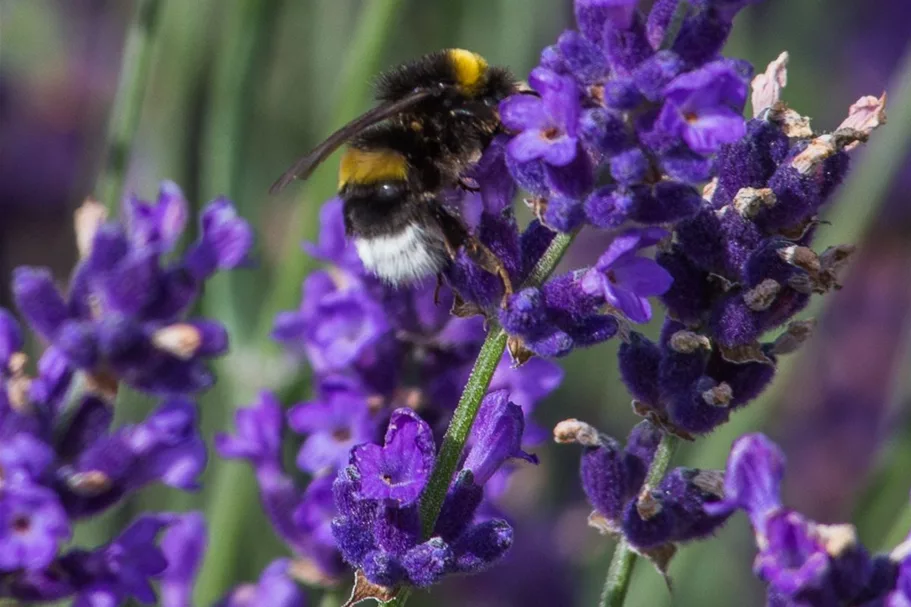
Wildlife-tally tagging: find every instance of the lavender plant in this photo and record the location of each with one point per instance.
(636, 130)
(124, 320)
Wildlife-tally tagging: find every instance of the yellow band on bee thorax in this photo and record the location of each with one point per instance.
(470, 69)
(364, 167)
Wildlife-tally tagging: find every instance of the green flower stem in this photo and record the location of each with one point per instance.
(460, 426)
(134, 77)
(462, 420)
(484, 367)
(620, 571)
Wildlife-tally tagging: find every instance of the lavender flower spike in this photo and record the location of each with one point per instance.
(378, 529)
(804, 562)
(124, 317)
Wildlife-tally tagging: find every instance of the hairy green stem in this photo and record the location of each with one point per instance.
(462, 420)
(622, 563)
(131, 88)
(460, 427)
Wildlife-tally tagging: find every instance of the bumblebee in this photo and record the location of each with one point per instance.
(435, 117)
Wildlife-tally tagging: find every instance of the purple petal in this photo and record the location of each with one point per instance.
(183, 545)
(321, 452)
(622, 244)
(707, 133)
(229, 234)
(527, 146)
(523, 112)
(495, 436)
(258, 435)
(38, 300)
(10, 337)
(791, 560)
(753, 479)
(33, 525)
(399, 470)
(634, 307)
(594, 282)
(274, 588)
(306, 418)
(560, 151)
(642, 276)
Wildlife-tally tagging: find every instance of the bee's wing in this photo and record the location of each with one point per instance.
(306, 165)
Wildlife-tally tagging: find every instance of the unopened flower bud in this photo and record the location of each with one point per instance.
(687, 342)
(181, 340)
(762, 295)
(767, 86)
(575, 431)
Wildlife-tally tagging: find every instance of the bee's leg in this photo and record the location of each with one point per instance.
(485, 258)
(456, 236)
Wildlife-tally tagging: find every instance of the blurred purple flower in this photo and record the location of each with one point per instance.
(59, 465)
(160, 224)
(335, 325)
(122, 569)
(33, 525)
(184, 547)
(299, 517)
(274, 587)
(336, 422)
(124, 313)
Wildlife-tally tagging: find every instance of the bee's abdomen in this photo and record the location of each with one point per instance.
(393, 231)
(402, 257)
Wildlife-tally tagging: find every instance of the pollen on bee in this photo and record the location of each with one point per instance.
(361, 166)
(470, 68)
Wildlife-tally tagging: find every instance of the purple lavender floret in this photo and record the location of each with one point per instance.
(548, 123)
(626, 280)
(378, 529)
(125, 315)
(804, 562)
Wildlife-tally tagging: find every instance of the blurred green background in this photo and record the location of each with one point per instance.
(239, 88)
